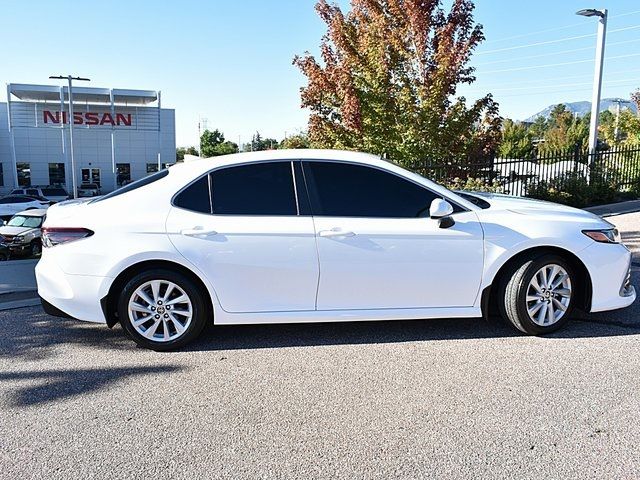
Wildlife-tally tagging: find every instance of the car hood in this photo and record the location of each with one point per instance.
(528, 206)
(6, 230)
(539, 210)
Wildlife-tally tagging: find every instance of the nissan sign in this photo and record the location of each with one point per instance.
(87, 118)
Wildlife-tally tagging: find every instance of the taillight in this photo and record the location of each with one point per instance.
(52, 236)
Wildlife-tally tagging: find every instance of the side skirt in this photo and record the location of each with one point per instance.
(226, 318)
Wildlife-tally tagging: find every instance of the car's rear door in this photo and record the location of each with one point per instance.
(246, 229)
(378, 248)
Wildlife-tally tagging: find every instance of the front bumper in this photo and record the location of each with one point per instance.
(74, 296)
(609, 268)
(19, 247)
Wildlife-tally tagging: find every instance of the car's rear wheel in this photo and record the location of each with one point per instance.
(538, 295)
(162, 309)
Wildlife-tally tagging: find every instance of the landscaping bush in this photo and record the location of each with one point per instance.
(474, 185)
(574, 189)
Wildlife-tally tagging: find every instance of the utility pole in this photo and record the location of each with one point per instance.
(70, 79)
(618, 102)
(597, 76)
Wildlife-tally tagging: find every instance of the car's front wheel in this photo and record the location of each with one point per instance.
(537, 297)
(162, 309)
(35, 248)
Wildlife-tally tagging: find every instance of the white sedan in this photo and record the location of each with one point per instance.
(319, 236)
(12, 204)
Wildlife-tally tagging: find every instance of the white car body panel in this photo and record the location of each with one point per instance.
(398, 262)
(274, 258)
(280, 270)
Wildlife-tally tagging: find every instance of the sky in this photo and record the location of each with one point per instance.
(230, 62)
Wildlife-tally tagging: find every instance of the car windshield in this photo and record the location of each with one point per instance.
(25, 221)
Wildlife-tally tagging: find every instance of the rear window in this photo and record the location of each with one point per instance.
(196, 197)
(134, 185)
(255, 189)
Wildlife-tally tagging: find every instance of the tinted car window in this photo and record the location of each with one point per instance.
(347, 190)
(257, 189)
(195, 197)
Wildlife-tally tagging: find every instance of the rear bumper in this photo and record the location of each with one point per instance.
(71, 296)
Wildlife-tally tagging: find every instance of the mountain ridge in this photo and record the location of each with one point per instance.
(581, 108)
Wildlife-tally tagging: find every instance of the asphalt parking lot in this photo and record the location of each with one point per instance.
(407, 399)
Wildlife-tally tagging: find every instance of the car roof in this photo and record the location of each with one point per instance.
(33, 212)
(204, 164)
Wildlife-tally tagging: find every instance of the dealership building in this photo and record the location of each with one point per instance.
(119, 136)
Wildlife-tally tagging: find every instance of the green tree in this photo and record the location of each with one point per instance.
(258, 143)
(517, 140)
(300, 140)
(388, 79)
(213, 144)
(564, 131)
(182, 151)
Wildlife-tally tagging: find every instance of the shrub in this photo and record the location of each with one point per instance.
(474, 185)
(573, 189)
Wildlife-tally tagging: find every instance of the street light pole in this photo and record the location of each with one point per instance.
(70, 79)
(597, 76)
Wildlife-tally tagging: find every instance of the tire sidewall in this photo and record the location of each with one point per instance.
(533, 268)
(197, 303)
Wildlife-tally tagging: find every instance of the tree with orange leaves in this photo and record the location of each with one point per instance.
(388, 80)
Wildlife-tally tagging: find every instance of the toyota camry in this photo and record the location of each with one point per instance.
(319, 236)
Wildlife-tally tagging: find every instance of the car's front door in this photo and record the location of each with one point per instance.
(379, 249)
(245, 229)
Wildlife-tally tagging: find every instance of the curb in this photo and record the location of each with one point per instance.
(30, 302)
(612, 209)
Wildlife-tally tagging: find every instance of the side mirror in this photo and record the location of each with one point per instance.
(440, 208)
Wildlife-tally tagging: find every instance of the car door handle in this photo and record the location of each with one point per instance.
(197, 232)
(335, 232)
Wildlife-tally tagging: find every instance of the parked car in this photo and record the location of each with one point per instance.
(88, 190)
(23, 232)
(319, 236)
(4, 250)
(12, 204)
(51, 193)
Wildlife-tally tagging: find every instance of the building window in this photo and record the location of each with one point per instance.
(153, 167)
(1, 176)
(57, 174)
(24, 174)
(123, 173)
(91, 175)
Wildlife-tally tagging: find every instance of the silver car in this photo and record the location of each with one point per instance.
(23, 233)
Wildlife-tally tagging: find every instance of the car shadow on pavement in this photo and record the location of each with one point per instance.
(47, 386)
(31, 334)
(355, 333)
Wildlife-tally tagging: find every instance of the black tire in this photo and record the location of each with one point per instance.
(512, 296)
(36, 248)
(3, 257)
(198, 305)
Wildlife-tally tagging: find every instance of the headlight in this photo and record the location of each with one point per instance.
(610, 235)
(18, 239)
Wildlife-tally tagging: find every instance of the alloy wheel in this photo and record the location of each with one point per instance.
(160, 310)
(548, 295)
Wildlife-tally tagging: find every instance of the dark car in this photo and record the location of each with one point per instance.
(4, 249)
